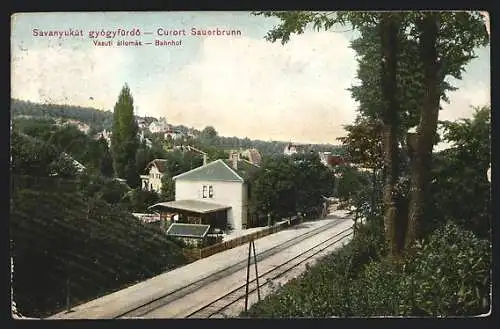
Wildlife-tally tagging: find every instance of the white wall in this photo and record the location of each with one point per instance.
(244, 204)
(154, 180)
(290, 151)
(231, 194)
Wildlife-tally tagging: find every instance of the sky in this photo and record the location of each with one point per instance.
(240, 84)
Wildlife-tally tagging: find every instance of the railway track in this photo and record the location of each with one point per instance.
(165, 299)
(217, 306)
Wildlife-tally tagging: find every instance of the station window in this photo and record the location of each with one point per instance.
(210, 191)
(204, 191)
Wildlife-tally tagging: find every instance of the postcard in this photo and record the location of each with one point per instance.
(217, 164)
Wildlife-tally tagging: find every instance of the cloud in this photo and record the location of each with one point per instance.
(461, 105)
(251, 87)
(242, 86)
(462, 100)
(68, 76)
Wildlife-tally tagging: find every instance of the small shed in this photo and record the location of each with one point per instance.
(193, 234)
(196, 212)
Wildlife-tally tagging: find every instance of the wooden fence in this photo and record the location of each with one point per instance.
(194, 254)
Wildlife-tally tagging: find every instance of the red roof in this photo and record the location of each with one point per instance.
(254, 156)
(334, 160)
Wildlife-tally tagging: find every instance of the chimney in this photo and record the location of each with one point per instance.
(204, 159)
(234, 158)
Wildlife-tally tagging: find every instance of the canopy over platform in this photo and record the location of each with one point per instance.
(188, 230)
(195, 206)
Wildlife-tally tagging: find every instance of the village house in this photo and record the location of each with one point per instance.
(106, 135)
(151, 181)
(83, 127)
(330, 160)
(291, 148)
(253, 156)
(141, 123)
(173, 134)
(215, 194)
(158, 126)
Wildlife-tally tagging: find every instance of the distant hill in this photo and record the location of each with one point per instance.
(93, 117)
(99, 120)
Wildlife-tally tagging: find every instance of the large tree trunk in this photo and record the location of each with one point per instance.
(374, 189)
(426, 131)
(389, 27)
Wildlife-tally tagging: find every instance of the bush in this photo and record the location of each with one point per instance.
(376, 291)
(449, 274)
(324, 289)
(367, 246)
(445, 275)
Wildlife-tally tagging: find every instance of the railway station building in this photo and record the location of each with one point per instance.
(215, 194)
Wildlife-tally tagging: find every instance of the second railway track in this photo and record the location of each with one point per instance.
(217, 306)
(172, 296)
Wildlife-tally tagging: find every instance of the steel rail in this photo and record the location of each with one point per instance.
(267, 280)
(178, 293)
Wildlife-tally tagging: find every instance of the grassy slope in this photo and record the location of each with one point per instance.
(53, 238)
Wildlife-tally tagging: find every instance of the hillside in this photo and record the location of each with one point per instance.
(99, 120)
(93, 117)
(57, 234)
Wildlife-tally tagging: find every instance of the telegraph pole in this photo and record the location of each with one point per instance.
(251, 245)
(248, 275)
(256, 272)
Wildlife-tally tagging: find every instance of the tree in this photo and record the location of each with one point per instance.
(363, 146)
(389, 28)
(142, 158)
(96, 119)
(354, 188)
(273, 188)
(34, 157)
(208, 136)
(105, 158)
(459, 186)
(447, 42)
(63, 166)
(192, 160)
(167, 187)
(312, 181)
(177, 163)
(124, 140)
(404, 102)
(93, 154)
(287, 185)
(139, 200)
(38, 128)
(214, 153)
